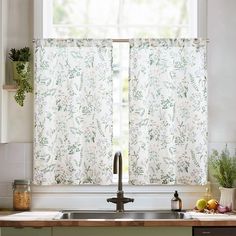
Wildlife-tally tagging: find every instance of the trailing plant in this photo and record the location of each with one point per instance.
(20, 58)
(223, 167)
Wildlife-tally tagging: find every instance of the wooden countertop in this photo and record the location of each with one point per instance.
(112, 223)
(7, 219)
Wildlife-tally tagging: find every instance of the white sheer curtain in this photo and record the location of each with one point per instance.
(168, 111)
(73, 112)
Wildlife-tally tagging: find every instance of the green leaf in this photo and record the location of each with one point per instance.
(22, 54)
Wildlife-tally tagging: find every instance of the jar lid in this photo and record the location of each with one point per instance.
(21, 181)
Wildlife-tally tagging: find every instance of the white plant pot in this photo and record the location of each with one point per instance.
(227, 197)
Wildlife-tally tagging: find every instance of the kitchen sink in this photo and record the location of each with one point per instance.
(136, 215)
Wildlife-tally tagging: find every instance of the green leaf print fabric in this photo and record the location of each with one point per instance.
(73, 112)
(168, 111)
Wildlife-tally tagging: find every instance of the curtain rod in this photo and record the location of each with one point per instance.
(127, 40)
(124, 40)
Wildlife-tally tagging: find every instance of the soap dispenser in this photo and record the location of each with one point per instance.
(176, 202)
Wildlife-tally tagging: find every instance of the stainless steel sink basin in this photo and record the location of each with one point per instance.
(137, 215)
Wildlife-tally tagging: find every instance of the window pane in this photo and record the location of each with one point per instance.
(155, 32)
(102, 12)
(116, 123)
(121, 18)
(126, 32)
(71, 31)
(153, 12)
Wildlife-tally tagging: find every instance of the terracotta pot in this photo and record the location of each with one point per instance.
(227, 197)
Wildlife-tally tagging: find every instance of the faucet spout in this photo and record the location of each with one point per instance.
(120, 200)
(118, 161)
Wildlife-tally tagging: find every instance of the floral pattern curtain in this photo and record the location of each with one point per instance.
(168, 111)
(73, 112)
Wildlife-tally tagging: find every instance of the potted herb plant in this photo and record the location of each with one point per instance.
(223, 168)
(21, 72)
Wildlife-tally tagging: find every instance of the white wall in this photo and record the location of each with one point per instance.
(221, 29)
(19, 20)
(222, 70)
(3, 52)
(16, 159)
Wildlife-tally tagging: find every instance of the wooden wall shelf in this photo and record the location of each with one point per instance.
(10, 87)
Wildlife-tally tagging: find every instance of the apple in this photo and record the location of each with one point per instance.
(212, 204)
(201, 204)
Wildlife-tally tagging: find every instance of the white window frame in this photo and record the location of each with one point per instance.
(42, 18)
(41, 30)
(201, 18)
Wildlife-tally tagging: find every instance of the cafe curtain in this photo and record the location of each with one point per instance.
(168, 111)
(73, 111)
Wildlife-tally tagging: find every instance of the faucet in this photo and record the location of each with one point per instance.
(120, 200)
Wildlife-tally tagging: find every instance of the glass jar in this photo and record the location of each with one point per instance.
(21, 195)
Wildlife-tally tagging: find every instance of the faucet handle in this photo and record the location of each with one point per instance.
(113, 200)
(126, 200)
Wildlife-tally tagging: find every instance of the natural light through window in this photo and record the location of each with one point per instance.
(121, 19)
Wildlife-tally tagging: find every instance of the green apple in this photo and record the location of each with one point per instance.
(201, 204)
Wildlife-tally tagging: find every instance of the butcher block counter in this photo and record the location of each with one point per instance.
(51, 219)
(50, 223)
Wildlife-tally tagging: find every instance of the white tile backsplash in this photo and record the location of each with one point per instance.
(13, 171)
(16, 163)
(2, 152)
(15, 153)
(28, 160)
(6, 189)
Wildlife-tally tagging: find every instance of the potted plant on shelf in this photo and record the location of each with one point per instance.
(21, 72)
(223, 168)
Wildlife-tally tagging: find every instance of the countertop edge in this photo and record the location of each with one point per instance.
(39, 219)
(113, 223)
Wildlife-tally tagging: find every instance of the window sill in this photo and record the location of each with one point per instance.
(110, 189)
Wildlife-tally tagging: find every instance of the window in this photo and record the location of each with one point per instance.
(118, 19)
(121, 18)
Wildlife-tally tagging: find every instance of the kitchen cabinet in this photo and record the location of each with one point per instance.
(124, 231)
(214, 231)
(96, 231)
(26, 231)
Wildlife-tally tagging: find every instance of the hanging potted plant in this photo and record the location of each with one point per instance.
(21, 72)
(223, 168)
